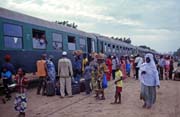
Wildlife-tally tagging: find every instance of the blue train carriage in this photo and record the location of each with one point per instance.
(111, 46)
(25, 38)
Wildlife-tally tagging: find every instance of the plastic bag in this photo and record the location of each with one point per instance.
(104, 82)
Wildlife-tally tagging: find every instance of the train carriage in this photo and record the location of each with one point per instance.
(20, 33)
(25, 38)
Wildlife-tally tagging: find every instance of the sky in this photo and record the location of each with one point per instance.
(154, 23)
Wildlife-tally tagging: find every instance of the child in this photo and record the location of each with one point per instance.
(20, 100)
(118, 84)
(6, 77)
(87, 77)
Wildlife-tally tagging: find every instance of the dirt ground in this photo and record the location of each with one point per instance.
(167, 104)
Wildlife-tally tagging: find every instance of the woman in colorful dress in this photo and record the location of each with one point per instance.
(167, 67)
(21, 100)
(51, 69)
(109, 65)
(128, 66)
(102, 69)
(94, 66)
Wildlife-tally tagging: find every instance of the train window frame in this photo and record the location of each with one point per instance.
(109, 47)
(113, 48)
(82, 44)
(105, 47)
(93, 45)
(57, 41)
(71, 44)
(41, 43)
(117, 49)
(12, 37)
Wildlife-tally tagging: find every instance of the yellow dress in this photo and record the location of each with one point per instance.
(118, 76)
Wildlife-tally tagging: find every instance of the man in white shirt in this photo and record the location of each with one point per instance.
(138, 62)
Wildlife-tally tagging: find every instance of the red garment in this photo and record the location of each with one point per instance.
(20, 82)
(109, 65)
(123, 69)
(118, 89)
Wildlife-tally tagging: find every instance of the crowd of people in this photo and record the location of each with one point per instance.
(96, 70)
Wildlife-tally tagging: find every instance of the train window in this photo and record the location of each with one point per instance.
(71, 43)
(109, 48)
(57, 41)
(117, 49)
(12, 35)
(82, 44)
(113, 48)
(39, 39)
(120, 50)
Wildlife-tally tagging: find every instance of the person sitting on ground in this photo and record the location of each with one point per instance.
(118, 84)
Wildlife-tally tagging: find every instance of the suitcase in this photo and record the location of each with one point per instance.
(50, 88)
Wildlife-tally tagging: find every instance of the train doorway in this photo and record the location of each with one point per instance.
(89, 45)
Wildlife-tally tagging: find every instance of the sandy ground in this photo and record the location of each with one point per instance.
(167, 104)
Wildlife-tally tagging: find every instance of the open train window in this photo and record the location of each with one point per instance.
(113, 48)
(117, 49)
(12, 35)
(57, 42)
(71, 43)
(109, 48)
(39, 39)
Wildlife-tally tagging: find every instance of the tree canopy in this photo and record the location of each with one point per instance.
(177, 53)
(126, 40)
(66, 23)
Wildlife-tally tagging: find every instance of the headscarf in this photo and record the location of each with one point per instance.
(152, 62)
(149, 68)
(7, 58)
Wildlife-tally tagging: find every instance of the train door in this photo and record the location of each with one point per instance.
(102, 47)
(89, 45)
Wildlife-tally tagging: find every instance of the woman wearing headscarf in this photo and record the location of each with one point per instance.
(149, 80)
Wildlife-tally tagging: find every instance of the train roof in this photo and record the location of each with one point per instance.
(8, 14)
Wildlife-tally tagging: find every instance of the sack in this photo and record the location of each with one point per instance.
(104, 82)
(50, 88)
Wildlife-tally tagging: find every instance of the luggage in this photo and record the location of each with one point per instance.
(82, 85)
(75, 88)
(50, 88)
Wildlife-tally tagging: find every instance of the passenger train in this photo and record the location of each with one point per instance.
(25, 38)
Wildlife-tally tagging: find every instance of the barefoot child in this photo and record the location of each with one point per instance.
(118, 84)
(20, 100)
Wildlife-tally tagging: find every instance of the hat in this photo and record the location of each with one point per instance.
(7, 57)
(64, 53)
